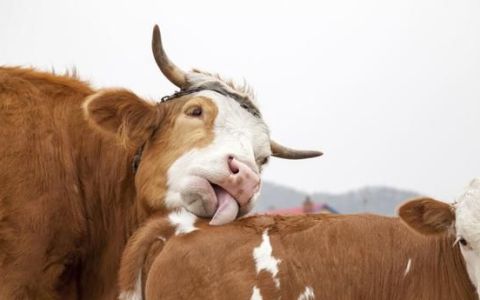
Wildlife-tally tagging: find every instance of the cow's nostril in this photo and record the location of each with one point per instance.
(232, 165)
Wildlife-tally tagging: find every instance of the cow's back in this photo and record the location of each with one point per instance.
(337, 257)
(40, 122)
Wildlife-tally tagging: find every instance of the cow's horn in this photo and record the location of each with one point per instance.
(169, 69)
(284, 152)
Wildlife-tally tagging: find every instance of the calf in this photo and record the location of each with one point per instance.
(294, 257)
(461, 220)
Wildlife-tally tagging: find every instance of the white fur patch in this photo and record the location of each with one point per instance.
(183, 221)
(472, 261)
(264, 260)
(307, 294)
(407, 269)
(467, 225)
(136, 294)
(256, 294)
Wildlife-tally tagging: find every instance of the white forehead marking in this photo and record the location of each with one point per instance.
(264, 260)
(136, 294)
(407, 269)
(237, 126)
(183, 221)
(256, 294)
(308, 294)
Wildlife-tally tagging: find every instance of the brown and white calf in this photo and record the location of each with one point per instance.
(295, 257)
(461, 220)
(82, 168)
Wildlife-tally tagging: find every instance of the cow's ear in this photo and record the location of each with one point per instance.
(427, 216)
(124, 114)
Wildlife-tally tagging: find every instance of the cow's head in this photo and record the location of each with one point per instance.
(202, 148)
(461, 218)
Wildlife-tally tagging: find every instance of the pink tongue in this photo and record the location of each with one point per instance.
(227, 209)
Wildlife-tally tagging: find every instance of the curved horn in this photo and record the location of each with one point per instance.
(169, 69)
(287, 153)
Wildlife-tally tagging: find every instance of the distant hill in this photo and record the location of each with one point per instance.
(375, 199)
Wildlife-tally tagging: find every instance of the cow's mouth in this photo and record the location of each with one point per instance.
(221, 198)
(227, 207)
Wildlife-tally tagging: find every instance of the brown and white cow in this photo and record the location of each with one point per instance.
(296, 257)
(460, 219)
(80, 169)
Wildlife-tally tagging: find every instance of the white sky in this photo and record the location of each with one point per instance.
(389, 90)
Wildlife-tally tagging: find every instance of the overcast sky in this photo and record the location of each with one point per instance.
(389, 90)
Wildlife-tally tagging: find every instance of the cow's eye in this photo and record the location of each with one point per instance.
(463, 242)
(264, 160)
(194, 111)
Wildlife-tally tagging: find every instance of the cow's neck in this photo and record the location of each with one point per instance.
(108, 195)
(450, 261)
(435, 270)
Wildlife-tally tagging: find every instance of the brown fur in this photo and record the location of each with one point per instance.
(351, 257)
(142, 247)
(179, 134)
(69, 199)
